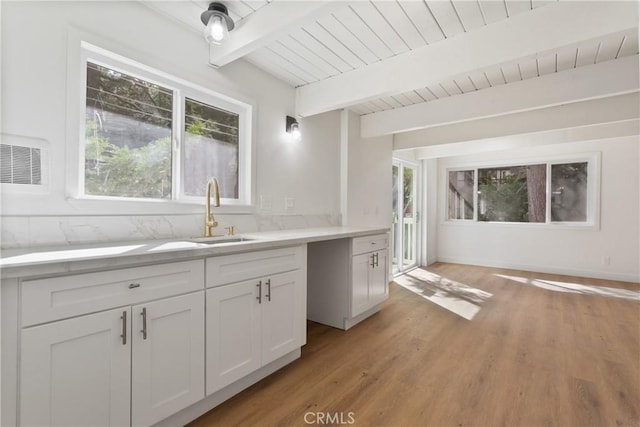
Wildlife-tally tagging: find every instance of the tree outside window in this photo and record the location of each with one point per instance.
(129, 130)
(519, 193)
(512, 194)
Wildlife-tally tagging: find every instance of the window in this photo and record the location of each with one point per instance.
(512, 194)
(461, 194)
(149, 136)
(549, 192)
(129, 129)
(569, 192)
(211, 144)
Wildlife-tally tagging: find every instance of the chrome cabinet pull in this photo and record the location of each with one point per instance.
(259, 297)
(124, 328)
(144, 323)
(134, 285)
(268, 290)
(373, 260)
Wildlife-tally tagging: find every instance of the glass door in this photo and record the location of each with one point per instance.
(404, 231)
(396, 230)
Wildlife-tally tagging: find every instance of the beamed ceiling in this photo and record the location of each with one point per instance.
(383, 58)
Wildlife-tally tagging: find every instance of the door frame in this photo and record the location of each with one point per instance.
(399, 267)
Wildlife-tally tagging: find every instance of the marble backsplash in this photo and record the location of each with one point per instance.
(18, 232)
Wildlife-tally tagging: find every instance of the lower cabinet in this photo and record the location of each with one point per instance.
(76, 372)
(167, 372)
(369, 281)
(347, 279)
(93, 369)
(250, 324)
(128, 346)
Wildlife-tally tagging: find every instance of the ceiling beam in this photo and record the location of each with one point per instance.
(570, 116)
(524, 35)
(550, 137)
(579, 84)
(266, 25)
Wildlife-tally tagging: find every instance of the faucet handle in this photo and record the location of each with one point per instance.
(231, 230)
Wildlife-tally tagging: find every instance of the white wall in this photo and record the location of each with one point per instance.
(367, 192)
(35, 49)
(557, 249)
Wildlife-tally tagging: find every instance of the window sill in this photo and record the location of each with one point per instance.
(586, 226)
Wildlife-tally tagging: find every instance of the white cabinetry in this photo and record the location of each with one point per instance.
(76, 372)
(167, 357)
(369, 278)
(255, 306)
(347, 279)
(138, 358)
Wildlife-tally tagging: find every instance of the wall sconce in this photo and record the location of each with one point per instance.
(218, 23)
(293, 129)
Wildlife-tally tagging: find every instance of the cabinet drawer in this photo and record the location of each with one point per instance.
(366, 244)
(56, 298)
(235, 268)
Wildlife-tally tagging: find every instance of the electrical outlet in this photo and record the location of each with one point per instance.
(265, 203)
(606, 260)
(289, 203)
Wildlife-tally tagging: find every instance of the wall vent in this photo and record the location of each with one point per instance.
(20, 165)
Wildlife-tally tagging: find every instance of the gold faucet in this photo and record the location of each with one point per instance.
(209, 221)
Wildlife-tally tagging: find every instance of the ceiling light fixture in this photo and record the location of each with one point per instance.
(293, 129)
(218, 23)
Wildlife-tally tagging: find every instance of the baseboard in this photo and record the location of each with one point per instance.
(622, 277)
(432, 261)
(208, 403)
(349, 323)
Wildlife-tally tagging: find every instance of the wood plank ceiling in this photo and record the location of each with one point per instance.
(359, 33)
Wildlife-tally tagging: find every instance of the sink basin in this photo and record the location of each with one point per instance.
(216, 240)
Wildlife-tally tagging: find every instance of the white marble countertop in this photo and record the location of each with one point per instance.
(29, 262)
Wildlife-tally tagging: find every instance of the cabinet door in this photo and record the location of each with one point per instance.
(360, 283)
(233, 333)
(167, 363)
(77, 371)
(378, 278)
(281, 315)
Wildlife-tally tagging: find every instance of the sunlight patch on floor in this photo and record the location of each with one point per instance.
(458, 298)
(575, 288)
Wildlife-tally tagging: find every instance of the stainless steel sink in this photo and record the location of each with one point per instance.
(216, 240)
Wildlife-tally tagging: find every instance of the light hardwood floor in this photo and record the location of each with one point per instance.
(533, 350)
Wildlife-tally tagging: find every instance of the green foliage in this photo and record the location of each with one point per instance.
(143, 172)
(196, 127)
(407, 184)
(211, 122)
(128, 137)
(504, 200)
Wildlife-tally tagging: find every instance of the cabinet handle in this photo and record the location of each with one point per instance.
(377, 264)
(259, 297)
(144, 323)
(373, 260)
(134, 285)
(124, 328)
(268, 290)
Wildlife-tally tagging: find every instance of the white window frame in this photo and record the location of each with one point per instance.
(181, 89)
(593, 160)
(446, 194)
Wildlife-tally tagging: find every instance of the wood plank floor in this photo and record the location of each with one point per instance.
(513, 348)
